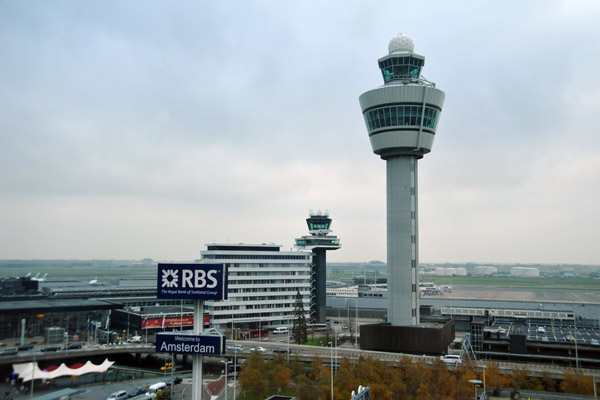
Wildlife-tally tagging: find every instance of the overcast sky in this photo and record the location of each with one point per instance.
(132, 129)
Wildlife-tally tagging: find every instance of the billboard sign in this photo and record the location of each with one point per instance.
(192, 281)
(172, 322)
(213, 345)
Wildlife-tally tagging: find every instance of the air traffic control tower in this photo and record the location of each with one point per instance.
(401, 118)
(319, 241)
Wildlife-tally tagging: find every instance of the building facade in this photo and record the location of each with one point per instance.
(263, 284)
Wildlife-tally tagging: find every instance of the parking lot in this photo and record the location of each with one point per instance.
(584, 336)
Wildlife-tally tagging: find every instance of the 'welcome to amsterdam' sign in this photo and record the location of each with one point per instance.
(190, 344)
(192, 281)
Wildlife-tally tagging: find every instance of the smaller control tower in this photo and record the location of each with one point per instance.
(319, 241)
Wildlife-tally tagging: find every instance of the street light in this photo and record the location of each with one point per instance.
(356, 322)
(331, 345)
(226, 363)
(475, 383)
(32, 376)
(234, 371)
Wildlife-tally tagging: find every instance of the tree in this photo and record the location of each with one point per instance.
(253, 376)
(279, 373)
(299, 331)
(345, 380)
(577, 383)
(306, 389)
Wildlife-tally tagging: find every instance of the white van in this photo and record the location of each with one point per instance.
(152, 390)
(281, 329)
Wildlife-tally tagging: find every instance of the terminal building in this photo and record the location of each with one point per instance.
(263, 284)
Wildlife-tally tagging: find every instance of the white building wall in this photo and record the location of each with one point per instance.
(483, 270)
(262, 288)
(525, 272)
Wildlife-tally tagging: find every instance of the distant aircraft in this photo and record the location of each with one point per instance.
(94, 282)
(38, 278)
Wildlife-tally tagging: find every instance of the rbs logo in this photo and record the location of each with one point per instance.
(190, 278)
(192, 281)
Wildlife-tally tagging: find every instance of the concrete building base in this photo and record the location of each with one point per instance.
(429, 338)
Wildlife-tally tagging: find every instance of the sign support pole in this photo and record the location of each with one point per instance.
(197, 366)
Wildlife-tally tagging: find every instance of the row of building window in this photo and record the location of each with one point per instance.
(254, 257)
(389, 116)
(314, 242)
(269, 289)
(413, 61)
(269, 281)
(233, 273)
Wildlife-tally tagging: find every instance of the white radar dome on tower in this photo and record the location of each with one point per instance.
(401, 43)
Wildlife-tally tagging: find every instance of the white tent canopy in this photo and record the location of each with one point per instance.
(28, 371)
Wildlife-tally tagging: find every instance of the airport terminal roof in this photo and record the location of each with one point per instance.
(54, 305)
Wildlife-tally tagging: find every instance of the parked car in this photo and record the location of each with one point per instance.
(541, 329)
(259, 349)
(235, 347)
(153, 389)
(9, 351)
(451, 359)
(50, 348)
(121, 394)
(136, 392)
(175, 380)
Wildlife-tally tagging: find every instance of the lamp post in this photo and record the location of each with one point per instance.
(475, 383)
(226, 363)
(234, 371)
(288, 349)
(356, 322)
(331, 345)
(32, 376)
(484, 388)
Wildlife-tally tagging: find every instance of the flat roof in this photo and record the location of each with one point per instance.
(12, 307)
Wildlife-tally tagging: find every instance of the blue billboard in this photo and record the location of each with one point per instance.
(190, 344)
(192, 281)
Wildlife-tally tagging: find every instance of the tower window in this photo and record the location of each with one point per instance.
(390, 116)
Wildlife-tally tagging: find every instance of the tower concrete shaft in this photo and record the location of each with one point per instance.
(402, 240)
(401, 118)
(319, 242)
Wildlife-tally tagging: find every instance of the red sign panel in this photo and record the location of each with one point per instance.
(171, 322)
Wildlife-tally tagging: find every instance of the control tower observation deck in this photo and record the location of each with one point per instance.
(401, 118)
(319, 241)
